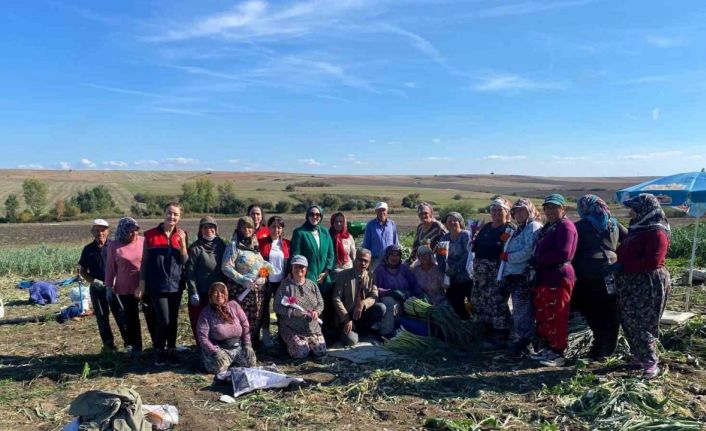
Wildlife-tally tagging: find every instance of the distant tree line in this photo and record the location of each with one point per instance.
(201, 196)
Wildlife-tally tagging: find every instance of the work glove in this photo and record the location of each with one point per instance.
(249, 355)
(98, 284)
(398, 295)
(194, 300)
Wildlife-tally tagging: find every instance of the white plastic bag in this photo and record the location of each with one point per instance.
(250, 379)
(161, 417)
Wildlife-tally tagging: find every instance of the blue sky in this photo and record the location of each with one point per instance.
(546, 87)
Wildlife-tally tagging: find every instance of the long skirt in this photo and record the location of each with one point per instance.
(489, 297)
(642, 297)
(300, 345)
(551, 312)
(517, 286)
(253, 307)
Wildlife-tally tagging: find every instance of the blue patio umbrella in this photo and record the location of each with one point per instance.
(683, 191)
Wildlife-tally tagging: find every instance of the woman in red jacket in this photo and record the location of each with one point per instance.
(274, 249)
(642, 282)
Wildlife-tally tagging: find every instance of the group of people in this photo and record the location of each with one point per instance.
(324, 289)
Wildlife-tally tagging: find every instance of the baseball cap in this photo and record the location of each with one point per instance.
(380, 206)
(100, 222)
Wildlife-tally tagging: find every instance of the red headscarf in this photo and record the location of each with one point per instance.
(341, 255)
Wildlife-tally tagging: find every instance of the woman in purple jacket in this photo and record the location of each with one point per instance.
(554, 281)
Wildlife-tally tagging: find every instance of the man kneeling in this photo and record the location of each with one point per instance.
(355, 300)
(298, 304)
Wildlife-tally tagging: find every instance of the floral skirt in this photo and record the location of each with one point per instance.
(489, 297)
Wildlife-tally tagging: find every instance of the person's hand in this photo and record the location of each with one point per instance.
(298, 313)
(615, 267)
(249, 354)
(109, 294)
(321, 278)
(182, 238)
(314, 315)
(357, 312)
(260, 281)
(398, 295)
(97, 284)
(504, 256)
(249, 284)
(348, 327)
(140, 289)
(194, 300)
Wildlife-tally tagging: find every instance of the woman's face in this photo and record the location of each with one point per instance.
(338, 223)
(425, 215)
(134, 233)
(425, 259)
(171, 216)
(452, 224)
(498, 214)
(256, 215)
(208, 230)
(314, 216)
(247, 231)
(298, 273)
(394, 258)
(218, 296)
(276, 230)
(520, 215)
(553, 212)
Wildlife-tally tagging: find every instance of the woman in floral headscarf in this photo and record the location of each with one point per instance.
(515, 270)
(642, 281)
(488, 298)
(598, 238)
(429, 230)
(247, 272)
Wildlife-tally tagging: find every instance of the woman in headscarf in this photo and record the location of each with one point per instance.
(314, 242)
(122, 278)
(275, 250)
(343, 243)
(555, 280)
(642, 281)
(429, 230)
(247, 273)
(598, 238)
(455, 259)
(203, 268)
(395, 283)
(489, 298)
(429, 278)
(515, 283)
(224, 334)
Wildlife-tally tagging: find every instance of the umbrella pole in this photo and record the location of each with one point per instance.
(691, 265)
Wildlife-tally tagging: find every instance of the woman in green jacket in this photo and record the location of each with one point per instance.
(314, 242)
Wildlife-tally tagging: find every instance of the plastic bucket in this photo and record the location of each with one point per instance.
(415, 326)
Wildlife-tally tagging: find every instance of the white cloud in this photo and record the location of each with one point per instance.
(309, 162)
(498, 157)
(655, 155)
(664, 41)
(410, 84)
(117, 164)
(529, 7)
(182, 161)
(438, 158)
(499, 82)
(655, 114)
(234, 161)
(64, 166)
(649, 79)
(30, 166)
(570, 158)
(87, 163)
(146, 163)
(372, 141)
(436, 140)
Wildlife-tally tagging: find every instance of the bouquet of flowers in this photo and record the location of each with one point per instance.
(263, 272)
(291, 301)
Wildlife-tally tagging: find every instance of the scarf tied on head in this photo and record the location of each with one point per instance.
(596, 211)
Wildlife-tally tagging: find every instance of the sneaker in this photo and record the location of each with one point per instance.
(160, 360)
(651, 372)
(133, 350)
(539, 354)
(553, 359)
(172, 357)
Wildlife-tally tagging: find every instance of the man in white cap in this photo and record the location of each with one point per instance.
(380, 233)
(92, 269)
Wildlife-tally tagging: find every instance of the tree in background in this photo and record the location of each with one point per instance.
(411, 200)
(35, 194)
(199, 196)
(228, 203)
(12, 204)
(96, 200)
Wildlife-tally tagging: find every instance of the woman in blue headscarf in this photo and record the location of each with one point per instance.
(594, 296)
